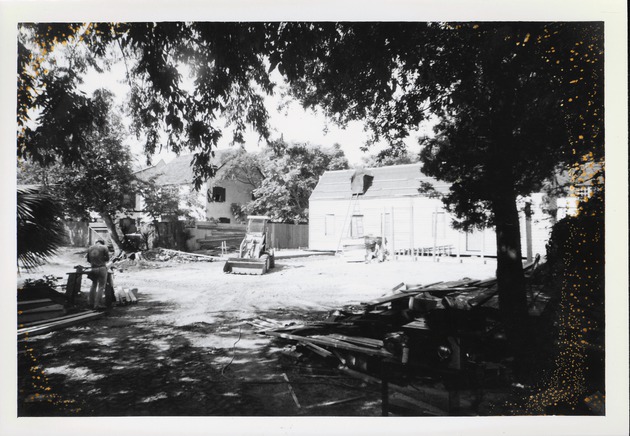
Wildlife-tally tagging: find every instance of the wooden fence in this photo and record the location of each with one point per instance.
(210, 235)
(203, 235)
(77, 233)
(288, 235)
(171, 234)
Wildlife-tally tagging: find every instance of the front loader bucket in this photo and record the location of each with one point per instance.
(237, 265)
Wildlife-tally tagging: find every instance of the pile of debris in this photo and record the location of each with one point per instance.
(447, 334)
(44, 305)
(167, 255)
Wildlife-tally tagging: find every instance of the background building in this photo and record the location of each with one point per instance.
(212, 202)
(348, 205)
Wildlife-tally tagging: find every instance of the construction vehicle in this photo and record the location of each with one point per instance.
(254, 255)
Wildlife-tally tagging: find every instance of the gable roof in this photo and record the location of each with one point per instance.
(177, 172)
(391, 181)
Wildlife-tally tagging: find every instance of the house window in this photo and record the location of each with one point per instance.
(129, 201)
(356, 226)
(584, 192)
(218, 194)
(329, 225)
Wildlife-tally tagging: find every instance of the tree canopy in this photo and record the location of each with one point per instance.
(226, 62)
(283, 176)
(387, 157)
(100, 179)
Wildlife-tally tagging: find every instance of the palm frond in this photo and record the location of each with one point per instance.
(40, 231)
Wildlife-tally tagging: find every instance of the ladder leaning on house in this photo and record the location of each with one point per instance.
(353, 209)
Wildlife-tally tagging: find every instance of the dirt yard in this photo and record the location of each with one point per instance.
(186, 348)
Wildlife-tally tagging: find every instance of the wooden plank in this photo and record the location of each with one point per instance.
(448, 285)
(215, 239)
(33, 302)
(332, 343)
(483, 297)
(219, 226)
(319, 350)
(399, 287)
(368, 342)
(341, 358)
(388, 299)
(487, 282)
(297, 403)
(60, 321)
(183, 253)
(410, 287)
(451, 290)
(418, 324)
(432, 393)
(47, 321)
(50, 308)
(356, 374)
(47, 328)
(336, 402)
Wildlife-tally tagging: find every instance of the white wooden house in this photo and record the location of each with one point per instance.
(347, 205)
(212, 202)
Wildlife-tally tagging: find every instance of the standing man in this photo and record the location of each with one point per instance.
(97, 256)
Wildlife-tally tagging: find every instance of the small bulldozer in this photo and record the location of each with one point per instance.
(254, 255)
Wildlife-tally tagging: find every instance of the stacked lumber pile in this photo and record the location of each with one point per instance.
(215, 234)
(42, 309)
(377, 327)
(40, 300)
(51, 324)
(449, 332)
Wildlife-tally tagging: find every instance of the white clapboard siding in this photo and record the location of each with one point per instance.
(393, 207)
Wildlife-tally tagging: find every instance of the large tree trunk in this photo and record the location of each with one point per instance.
(109, 222)
(510, 277)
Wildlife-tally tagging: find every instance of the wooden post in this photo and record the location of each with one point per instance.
(384, 391)
(393, 236)
(483, 246)
(109, 290)
(413, 245)
(73, 287)
(459, 242)
(383, 224)
(435, 234)
(528, 231)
